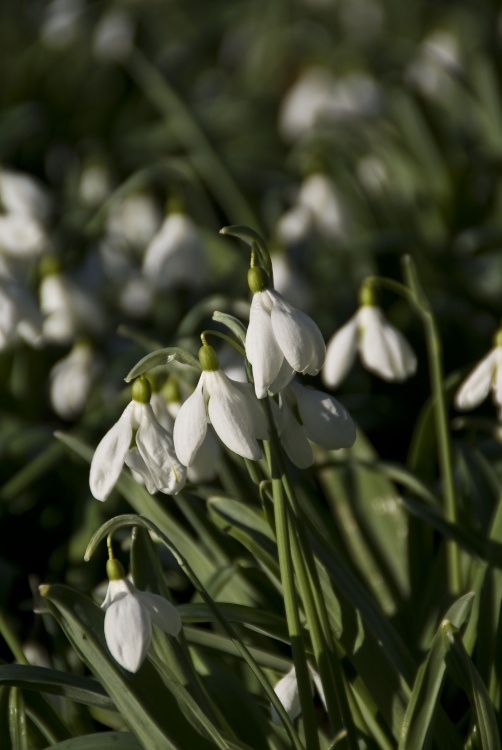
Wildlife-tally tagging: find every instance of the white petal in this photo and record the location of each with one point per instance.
(205, 463)
(287, 692)
(326, 421)
(497, 380)
(191, 425)
(231, 415)
(157, 450)
(294, 439)
(284, 377)
(261, 347)
(477, 384)
(109, 456)
(383, 349)
(254, 408)
(319, 687)
(340, 353)
(162, 612)
(141, 471)
(128, 631)
(159, 406)
(298, 337)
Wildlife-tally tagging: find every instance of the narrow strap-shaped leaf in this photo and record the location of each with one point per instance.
(462, 669)
(162, 357)
(100, 741)
(17, 720)
(418, 721)
(81, 689)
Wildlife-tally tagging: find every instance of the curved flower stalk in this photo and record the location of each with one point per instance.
(153, 457)
(175, 256)
(305, 414)
(229, 406)
(383, 349)
(280, 339)
(72, 379)
(129, 615)
(287, 692)
(485, 377)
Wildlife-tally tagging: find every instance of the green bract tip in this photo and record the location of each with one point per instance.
(256, 279)
(367, 295)
(141, 390)
(497, 339)
(114, 570)
(208, 359)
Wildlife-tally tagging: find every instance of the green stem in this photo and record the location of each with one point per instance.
(191, 136)
(11, 640)
(434, 352)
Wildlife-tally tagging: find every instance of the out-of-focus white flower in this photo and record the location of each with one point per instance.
(61, 23)
(485, 377)
(22, 194)
(135, 219)
(94, 185)
(68, 309)
(229, 406)
(21, 236)
(71, 380)
(382, 348)
(437, 63)
(317, 97)
(129, 615)
(113, 36)
(305, 414)
(19, 315)
(287, 692)
(289, 283)
(280, 339)
(136, 296)
(153, 457)
(305, 103)
(175, 256)
(317, 206)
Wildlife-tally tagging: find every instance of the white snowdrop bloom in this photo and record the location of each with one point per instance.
(68, 309)
(485, 377)
(136, 297)
(153, 456)
(356, 96)
(205, 464)
(71, 380)
(19, 315)
(22, 194)
(94, 185)
(21, 236)
(135, 218)
(129, 615)
(306, 414)
(318, 194)
(287, 692)
(294, 225)
(61, 23)
(437, 63)
(231, 408)
(113, 36)
(305, 103)
(175, 256)
(382, 348)
(280, 339)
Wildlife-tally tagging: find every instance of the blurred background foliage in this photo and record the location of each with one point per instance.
(347, 132)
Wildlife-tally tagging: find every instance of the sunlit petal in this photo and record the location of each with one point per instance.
(109, 456)
(190, 426)
(325, 420)
(476, 386)
(341, 352)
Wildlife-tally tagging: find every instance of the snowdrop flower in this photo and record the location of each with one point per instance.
(306, 414)
(175, 256)
(68, 309)
(305, 103)
(134, 219)
(287, 692)
(21, 194)
(280, 339)
(71, 380)
(19, 315)
(382, 348)
(317, 206)
(486, 376)
(153, 456)
(129, 615)
(113, 36)
(21, 236)
(229, 406)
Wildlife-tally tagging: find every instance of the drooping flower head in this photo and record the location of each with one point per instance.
(229, 406)
(486, 376)
(152, 457)
(280, 339)
(129, 615)
(305, 415)
(382, 348)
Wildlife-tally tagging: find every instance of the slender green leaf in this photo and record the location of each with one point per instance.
(162, 357)
(100, 741)
(17, 720)
(81, 689)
